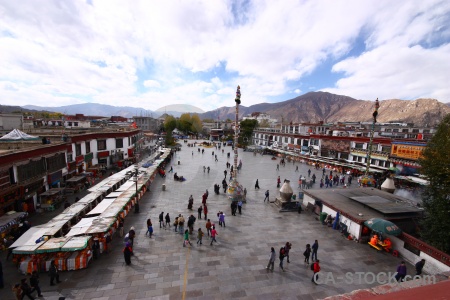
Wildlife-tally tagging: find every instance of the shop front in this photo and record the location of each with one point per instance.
(29, 200)
(8, 199)
(102, 157)
(79, 164)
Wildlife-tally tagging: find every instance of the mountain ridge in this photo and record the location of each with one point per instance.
(310, 107)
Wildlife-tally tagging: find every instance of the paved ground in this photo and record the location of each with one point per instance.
(232, 268)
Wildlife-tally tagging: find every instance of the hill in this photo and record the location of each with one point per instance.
(95, 109)
(327, 107)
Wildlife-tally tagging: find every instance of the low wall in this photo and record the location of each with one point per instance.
(432, 266)
(353, 228)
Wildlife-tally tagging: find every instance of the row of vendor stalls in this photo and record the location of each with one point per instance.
(68, 238)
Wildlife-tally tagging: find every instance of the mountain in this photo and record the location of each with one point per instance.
(95, 109)
(327, 107)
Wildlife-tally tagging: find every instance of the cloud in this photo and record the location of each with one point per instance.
(152, 84)
(197, 52)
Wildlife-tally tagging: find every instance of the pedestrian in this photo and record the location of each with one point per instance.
(287, 249)
(419, 266)
(205, 211)
(175, 224)
(34, 283)
(225, 173)
(149, 228)
(180, 224)
(161, 220)
(191, 221)
(167, 220)
(314, 249)
(208, 169)
(278, 167)
(121, 221)
(315, 267)
(213, 235)
(245, 194)
(200, 235)
(131, 235)
(281, 257)
(309, 172)
(53, 271)
(96, 248)
(222, 219)
(233, 206)
(278, 182)
(239, 205)
(26, 289)
(208, 227)
(186, 238)
(204, 168)
(307, 253)
(267, 196)
(127, 253)
(272, 257)
(257, 184)
(199, 210)
(401, 272)
(296, 168)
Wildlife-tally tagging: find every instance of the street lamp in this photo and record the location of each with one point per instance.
(135, 179)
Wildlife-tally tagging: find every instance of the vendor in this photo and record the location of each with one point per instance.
(374, 240)
(388, 243)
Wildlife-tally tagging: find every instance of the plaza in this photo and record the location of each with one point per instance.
(235, 267)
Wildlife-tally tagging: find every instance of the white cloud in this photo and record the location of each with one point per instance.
(396, 73)
(152, 84)
(197, 52)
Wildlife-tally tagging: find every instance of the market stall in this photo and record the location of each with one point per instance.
(51, 199)
(9, 221)
(91, 199)
(75, 184)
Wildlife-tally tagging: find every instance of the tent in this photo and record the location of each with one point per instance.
(17, 135)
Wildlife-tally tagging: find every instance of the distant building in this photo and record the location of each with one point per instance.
(9, 122)
(147, 123)
(261, 117)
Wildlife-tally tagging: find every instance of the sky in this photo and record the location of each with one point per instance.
(148, 54)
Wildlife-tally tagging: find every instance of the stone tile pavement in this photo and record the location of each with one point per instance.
(234, 268)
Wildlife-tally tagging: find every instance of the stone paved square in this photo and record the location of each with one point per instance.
(234, 268)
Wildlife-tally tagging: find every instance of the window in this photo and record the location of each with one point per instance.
(359, 145)
(395, 130)
(88, 147)
(415, 130)
(69, 123)
(101, 145)
(75, 124)
(405, 130)
(77, 149)
(426, 131)
(119, 143)
(386, 149)
(388, 130)
(69, 157)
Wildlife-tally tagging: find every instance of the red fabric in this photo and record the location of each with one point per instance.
(316, 267)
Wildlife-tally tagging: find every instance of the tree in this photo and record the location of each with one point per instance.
(435, 162)
(185, 122)
(170, 123)
(197, 124)
(246, 131)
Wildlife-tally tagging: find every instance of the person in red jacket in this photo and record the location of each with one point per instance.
(316, 270)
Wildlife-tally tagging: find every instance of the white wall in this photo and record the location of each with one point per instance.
(432, 266)
(353, 228)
